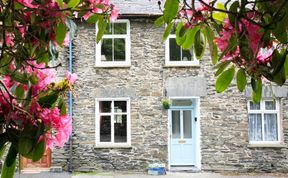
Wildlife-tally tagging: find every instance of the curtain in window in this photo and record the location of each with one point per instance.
(270, 127)
(255, 127)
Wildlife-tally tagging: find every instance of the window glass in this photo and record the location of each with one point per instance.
(120, 28)
(107, 50)
(263, 121)
(270, 105)
(187, 55)
(175, 50)
(120, 128)
(254, 106)
(271, 128)
(120, 106)
(105, 106)
(105, 129)
(119, 49)
(255, 127)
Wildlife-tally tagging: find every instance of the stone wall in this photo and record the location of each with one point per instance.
(224, 122)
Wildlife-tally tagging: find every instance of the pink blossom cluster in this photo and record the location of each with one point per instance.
(251, 32)
(58, 127)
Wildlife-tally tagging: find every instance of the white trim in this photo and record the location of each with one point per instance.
(196, 108)
(126, 37)
(97, 125)
(263, 111)
(168, 63)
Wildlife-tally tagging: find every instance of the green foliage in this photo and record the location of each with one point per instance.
(209, 34)
(257, 90)
(60, 33)
(168, 30)
(224, 80)
(190, 37)
(241, 80)
(171, 10)
(199, 44)
(101, 28)
(159, 21)
(10, 163)
(48, 100)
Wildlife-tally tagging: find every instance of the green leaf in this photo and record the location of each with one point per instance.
(245, 49)
(39, 150)
(286, 66)
(233, 8)
(73, 3)
(224, 80)
(19, 92)
(199, 44)
(34, 79)
(92, 19)
(10, 163)
(241, 80)
(18, 6)
(48, 100)
(219, 16)
(167, 30)
(60, 3)
(231, 46)
(221, 67)
(170, 10)
(190, 36)
(25, 145)
(212, 46)
(62, 106)
(159, 21)
(2, 151)
(257, 91)
(60, 33)
(19, 77)
(180, 33)
(3, 141)
(101, 28)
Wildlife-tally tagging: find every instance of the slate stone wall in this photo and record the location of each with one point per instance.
(223, 117)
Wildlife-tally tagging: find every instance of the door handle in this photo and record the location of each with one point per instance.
(195, 119)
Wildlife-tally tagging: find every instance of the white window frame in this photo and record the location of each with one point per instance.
(127, 62)
(263, 111)
(97, 123)
(168, 63)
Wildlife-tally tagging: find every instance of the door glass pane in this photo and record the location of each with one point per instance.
(105, 129)
(270, 127)
(106, 50)
(270, 105)
(120, 106)
(174, 50)
(105, 106)
(255, 127)
(254, 106)
(120, 128)
(176, 124)
(119, 49)
(120, 28)
(182, 102)
(187, 124)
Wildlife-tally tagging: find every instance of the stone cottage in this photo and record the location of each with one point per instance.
(119, 122)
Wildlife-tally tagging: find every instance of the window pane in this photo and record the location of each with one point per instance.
(105, 129)
(176, 124)
(120, 106)
(119, 49)
(120, 129)
(106, 50)
(187, 55)
(270, 105)
(105, 106)
(120, 28)
(254, 106)
(270, 127)
(174, 50)
(255, 127)
(187, 124)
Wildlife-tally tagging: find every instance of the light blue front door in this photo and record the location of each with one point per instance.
(182, 137)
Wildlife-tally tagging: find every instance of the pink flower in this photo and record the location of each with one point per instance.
(264, 55)
(203, 7)
(114, 15)
(27, 3)
(66, 40)
(71, 77)
(9, 39)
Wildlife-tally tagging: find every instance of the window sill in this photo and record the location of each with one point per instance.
(182, 65)
(128, 146)
(268, 145)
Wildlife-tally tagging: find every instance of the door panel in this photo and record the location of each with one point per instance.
(182, 140)
(44, 162)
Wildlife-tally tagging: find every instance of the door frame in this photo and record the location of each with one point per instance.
(196, 109)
